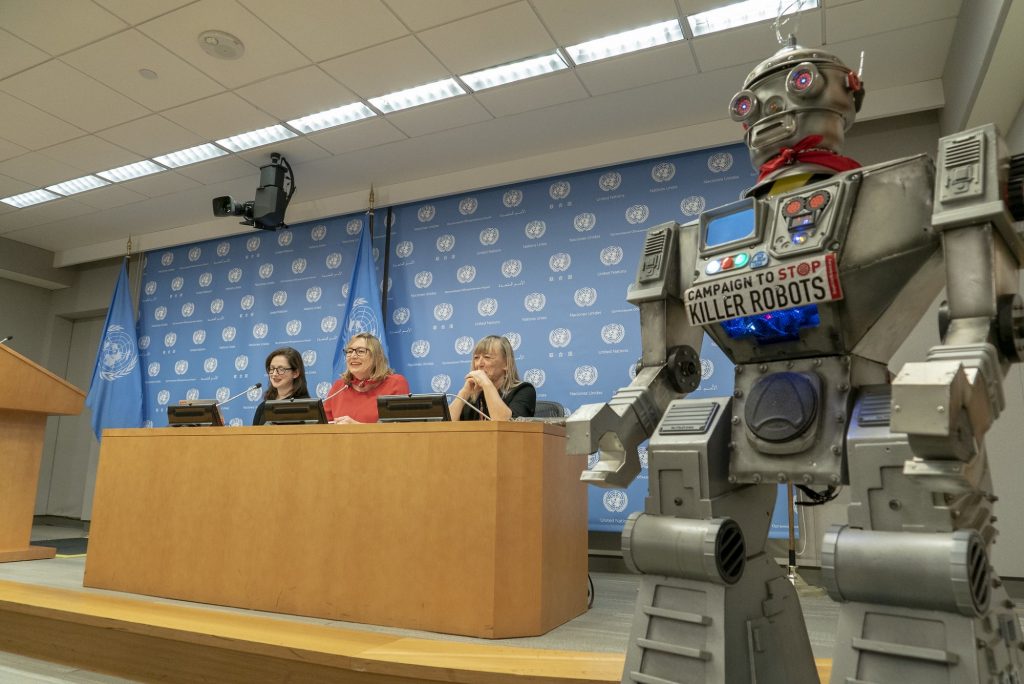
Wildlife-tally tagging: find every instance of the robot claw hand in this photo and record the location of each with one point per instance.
(593, 428)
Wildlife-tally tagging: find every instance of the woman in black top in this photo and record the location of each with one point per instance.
(493, 388)
(287, 379)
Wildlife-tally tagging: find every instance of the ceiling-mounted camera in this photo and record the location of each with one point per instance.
(266, 212)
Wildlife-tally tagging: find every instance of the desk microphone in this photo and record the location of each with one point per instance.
(7, 339)
(247, 389)
(456, 396)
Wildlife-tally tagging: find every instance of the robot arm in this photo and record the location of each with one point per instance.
(670, 364)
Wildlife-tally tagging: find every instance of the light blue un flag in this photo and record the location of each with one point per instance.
(363, 307)
(115, 393)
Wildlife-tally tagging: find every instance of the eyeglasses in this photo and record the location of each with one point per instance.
(278, 370)
(357, 351)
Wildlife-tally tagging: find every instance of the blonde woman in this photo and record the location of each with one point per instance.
(493, 388)
(367, 375)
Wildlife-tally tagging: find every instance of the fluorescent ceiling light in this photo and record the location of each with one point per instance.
(517, 71)
(332, 117)
(742, 13)
(420, 95)
(627, 41)
(77, 185)
(192, 155)
(27, 199)
(125, 173)
(264, 136)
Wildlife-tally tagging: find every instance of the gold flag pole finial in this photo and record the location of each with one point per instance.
(128, 254)
(371, 197)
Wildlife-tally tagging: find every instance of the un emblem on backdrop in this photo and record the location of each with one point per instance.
(266, 270)
(440, 383)
(333, 260)
(559, 337)
(560, 262)
(216, 306)
(187, 309)
(253, 394)
(284, 238)
(299, 266)
(467, 206)
(144, 342)
(228, 333)
(466, 274)
(170, 339)
(167, 258)
(443, 311)
(329, 324)
(209, 365)
(426, 213)
(198, 337)
(464, 345)
(248, 301)
(234, 275)
(512, 268)
(154, 369)
(514, 340)
(404, 249)
(535, 229)
(692, 205)
(445, 243)
(585, 376)
(222, 393)
(260, 330)
(663, 172)
(322, 388)
(160, 313)
(615, 500)
(613, 333)
(344, 291)
(535, 376)
(181, 367)
(720, 162)
(611, 255)
(293, 327)
(309, 357)
(559, 190)
(609, 181)
(420, 348)
(400, 315)
(252, 244)
(205, 280)
(177, 283)
(313, 294)
(584, 222)
(641, 451)
(151, 288)
(512, 198)
(637, 213)
(585, 296)
(279, 298)
(487, 307)
(534, 302)
(223, 249)
(707, 368)
(241, 362)
(423, 279)
(354, 226)
(194, 254)
(162, 397)
(489, 236)
(318, 233)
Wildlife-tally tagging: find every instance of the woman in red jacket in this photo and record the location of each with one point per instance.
(367, 375)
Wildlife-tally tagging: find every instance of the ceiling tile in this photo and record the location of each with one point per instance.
(296, 150)
(848, 22)
(751, 43)
(322, 29)
(295, 94)
(16, 54)
(266, 53)
(419, 15)
(397, 65)
(138, 11)
(535, 93)
(924, 62)
(639, 68)
(10, 186)
(357, 136)
(220, 116)
(76, 98)
(219, 170)
(30, 127)
(576, 21)
(109, 196)
(43, 213)
(157, 184)
(38, 169)
(90, 153)
(9, 149)
(439, 116)
(117, 60)
(56, 27)
(496, 37)
(152, 136)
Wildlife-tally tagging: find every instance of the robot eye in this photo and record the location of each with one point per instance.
(743, 106)
(804, 80)
(774, 105)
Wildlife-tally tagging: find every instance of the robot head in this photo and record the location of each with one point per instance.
(796, 93)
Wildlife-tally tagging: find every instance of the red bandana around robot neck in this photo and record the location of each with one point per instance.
(805, 151)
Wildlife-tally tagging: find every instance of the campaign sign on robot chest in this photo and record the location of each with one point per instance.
(808, 281)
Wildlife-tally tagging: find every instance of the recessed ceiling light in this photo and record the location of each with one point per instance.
(742, 13)
(221, 44)
(628, 41)
(27, 199)
(516, 71)
(77, 185)
(130, 171)
(332, 117)
(148, 74)
(192, 155)
(263, 136)
(420, 95)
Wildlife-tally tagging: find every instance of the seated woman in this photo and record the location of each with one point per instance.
(287, 379)
(367, 376)
(493, 388)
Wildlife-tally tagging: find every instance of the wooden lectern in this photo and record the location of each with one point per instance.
(28, 394)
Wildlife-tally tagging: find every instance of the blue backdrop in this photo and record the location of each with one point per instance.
(545, 263)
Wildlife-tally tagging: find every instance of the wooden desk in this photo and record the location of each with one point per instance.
(471, 528)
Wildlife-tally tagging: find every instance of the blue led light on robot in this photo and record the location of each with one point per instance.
(775, 326)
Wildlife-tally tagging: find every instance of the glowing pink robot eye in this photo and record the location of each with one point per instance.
(802, 80)
(743, 106)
